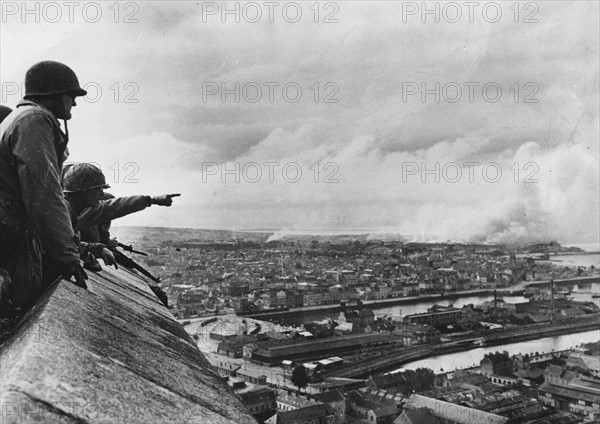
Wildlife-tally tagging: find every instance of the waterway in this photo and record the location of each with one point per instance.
(588, 247)
(403, 310)
(581, 292)
(398, 310)
(592, 259)
(585, 292)
(472, 358)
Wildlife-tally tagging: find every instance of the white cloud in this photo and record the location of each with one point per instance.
(366, 137)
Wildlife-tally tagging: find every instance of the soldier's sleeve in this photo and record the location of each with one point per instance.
(39, 177)
(111, 209)
(94, 248)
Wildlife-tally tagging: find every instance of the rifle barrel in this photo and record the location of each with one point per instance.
(130, 263)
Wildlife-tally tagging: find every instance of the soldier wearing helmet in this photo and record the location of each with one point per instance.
(83, 185)
(100, 233)
(37, 242)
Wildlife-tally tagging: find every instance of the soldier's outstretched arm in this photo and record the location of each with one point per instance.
(119, 207)
(111, 209)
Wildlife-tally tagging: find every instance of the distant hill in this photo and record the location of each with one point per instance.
(158, 235)
(130, 235)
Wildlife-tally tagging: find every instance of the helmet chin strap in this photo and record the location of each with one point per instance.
(66, 130)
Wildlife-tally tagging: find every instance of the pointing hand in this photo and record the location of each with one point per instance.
(165, 199)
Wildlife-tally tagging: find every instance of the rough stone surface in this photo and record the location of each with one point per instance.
(111, 354)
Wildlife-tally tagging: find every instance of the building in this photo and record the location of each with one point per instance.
(261, 403)
(343, 328)
(383, 415)
(330, 363)
(498, 364)
(231, 348)
(558, 418)
(275, 352)
(417, 416)
(419, 333)
(510, 403)
(192, 302)
(312, 298)
(314, 414)
(586, 364)
(336, 400)
(248, 350)
(392, 382)
(254, 377)
(290, 401)
(437, 316)
(227, 369)
(568, 391)
(351, 317)
(281, 299)
(450, 413)
(367, 318)
(374, 406)
(333, 383)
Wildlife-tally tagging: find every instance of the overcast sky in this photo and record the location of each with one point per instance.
(352, 118)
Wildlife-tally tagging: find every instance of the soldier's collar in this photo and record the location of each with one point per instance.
(32, 103)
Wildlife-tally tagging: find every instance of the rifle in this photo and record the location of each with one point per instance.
(130, 249)
(127, 262)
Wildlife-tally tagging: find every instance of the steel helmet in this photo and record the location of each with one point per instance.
(4, 112)
(49, 77)
(82, 177)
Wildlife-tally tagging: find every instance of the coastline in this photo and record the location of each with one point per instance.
(574, 253)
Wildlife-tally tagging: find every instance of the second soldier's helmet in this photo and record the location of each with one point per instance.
(48, 77)
(81, 177)
(4, 112)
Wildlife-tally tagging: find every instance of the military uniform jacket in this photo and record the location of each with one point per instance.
(32, 151)
(108, 210)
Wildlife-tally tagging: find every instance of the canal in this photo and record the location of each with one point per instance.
(581, 292)
(300, 317)
(472, 358)
(403, 310)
